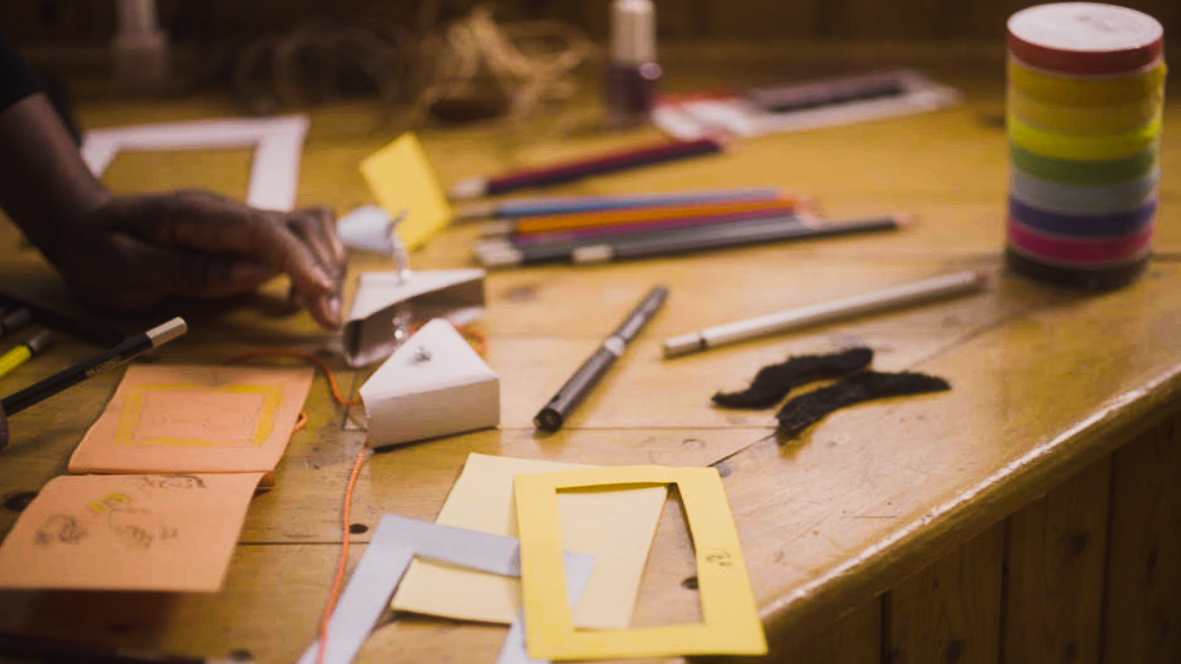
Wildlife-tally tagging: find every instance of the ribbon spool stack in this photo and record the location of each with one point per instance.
(1086, 90)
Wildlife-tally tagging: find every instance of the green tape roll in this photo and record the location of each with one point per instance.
(1085, 172)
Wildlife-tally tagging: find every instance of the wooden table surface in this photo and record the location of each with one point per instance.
(1044, 380)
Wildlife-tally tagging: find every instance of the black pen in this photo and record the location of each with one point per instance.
(93, 366)
(588, 375)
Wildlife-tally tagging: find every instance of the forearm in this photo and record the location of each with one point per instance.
(44, 184)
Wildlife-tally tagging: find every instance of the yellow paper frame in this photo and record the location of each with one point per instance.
(730, 620)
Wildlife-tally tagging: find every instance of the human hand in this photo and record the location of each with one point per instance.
(134, 251)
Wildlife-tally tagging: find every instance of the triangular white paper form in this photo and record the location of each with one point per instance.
(433, 385)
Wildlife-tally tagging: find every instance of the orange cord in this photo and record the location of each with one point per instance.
(478, 341)
(298, 354)
(342, 564)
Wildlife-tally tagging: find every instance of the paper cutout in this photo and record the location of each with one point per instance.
(433, 385)
(396, 541)
(367, 228)
(694, 116)
(615, 527)
(730, 622)
(401, 178)
(456, 295)
(190, 418)
(277, 143)
(128, 532)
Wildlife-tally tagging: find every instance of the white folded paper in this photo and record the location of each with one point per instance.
(433, 385)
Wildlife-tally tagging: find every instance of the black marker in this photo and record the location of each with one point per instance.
(108, 359)
(588, 375)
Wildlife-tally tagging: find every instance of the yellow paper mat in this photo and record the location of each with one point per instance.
(730, 622)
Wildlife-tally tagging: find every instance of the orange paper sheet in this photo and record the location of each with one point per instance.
(195, 419)
(128, 532)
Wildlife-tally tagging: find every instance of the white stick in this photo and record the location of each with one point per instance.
(898, 296)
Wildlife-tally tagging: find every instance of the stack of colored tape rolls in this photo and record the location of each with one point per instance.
(1086, 90)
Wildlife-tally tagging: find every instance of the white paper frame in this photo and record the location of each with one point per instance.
(396, 542)
(277, 142)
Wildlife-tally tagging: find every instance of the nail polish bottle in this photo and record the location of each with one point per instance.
(633, 76)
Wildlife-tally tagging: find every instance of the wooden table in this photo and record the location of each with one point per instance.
(1027, 511)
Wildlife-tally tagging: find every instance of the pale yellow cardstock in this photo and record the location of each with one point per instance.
(128, 532)
(401, 178)
(195, 418)
(730, 624)
(616, 527)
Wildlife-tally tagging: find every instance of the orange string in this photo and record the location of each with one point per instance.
(298, 354)
(343, 562)
(478, 341)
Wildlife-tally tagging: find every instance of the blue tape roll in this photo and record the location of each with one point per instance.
(1083, 226)
(1083, 200)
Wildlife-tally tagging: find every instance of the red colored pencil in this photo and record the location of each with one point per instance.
(565, 172)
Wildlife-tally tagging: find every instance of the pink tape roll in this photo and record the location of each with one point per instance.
(1076, 252)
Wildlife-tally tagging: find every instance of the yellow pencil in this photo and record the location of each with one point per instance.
(26, 349)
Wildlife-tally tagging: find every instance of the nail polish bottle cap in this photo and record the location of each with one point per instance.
(633, 32)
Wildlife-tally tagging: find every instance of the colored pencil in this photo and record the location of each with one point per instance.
(476, 187)
(628, 230)
(730, 235)
(503, 253)
(897, 296)
(532, 207)
(507, 251)
(563, 222)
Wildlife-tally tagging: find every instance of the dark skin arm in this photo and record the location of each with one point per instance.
(130, 252)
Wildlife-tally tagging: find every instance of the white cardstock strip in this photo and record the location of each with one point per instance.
(277, 142)
(395, 543)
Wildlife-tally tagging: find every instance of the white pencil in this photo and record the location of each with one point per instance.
(913, 293)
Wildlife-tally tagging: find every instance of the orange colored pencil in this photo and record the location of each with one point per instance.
(561, 222)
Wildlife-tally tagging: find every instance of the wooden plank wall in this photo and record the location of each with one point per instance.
(42, 22)
(1090, 573)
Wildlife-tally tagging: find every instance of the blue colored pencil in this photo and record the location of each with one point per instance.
(531, 207)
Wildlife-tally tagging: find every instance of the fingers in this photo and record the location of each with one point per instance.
(316, 228)
(174, 271)
(302, 244)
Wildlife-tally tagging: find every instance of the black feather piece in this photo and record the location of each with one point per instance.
(773, 382)
(807, 409)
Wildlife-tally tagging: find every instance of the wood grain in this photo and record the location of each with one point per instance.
(1045, 383)
(1143, 617)
(949, 612)
(1056, 560)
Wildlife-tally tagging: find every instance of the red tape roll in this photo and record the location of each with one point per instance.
(1085, 38)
